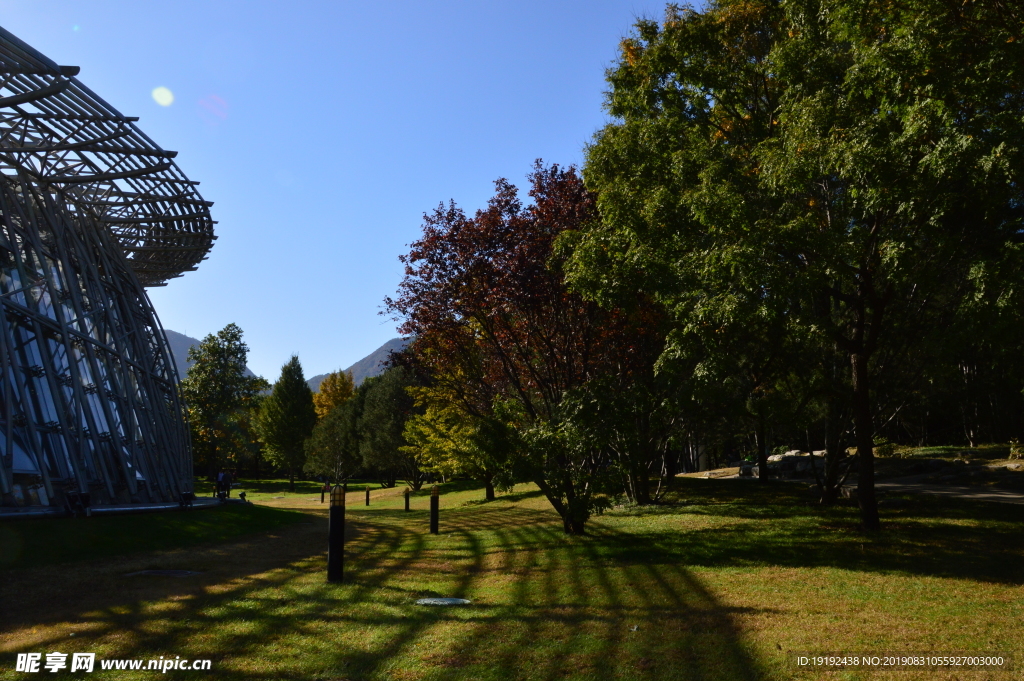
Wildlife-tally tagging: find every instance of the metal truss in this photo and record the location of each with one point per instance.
(91, 211)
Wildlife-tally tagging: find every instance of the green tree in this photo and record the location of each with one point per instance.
(387, 405)
(335, 389)
(449, 440)
(287, 419)
(852, 164)
(217, 393)
(333, 448)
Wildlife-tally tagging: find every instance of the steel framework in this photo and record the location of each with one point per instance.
(91, 212)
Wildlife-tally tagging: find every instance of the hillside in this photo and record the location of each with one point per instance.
(369, 366)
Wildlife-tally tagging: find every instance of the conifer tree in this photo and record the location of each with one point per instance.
(287, 419)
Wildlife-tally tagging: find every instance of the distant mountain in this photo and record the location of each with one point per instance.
(367, 367)
(180, 343)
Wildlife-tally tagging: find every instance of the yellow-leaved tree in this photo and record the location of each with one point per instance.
(448, 440)
(336, 388)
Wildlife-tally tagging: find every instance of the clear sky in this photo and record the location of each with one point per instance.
(323, 130)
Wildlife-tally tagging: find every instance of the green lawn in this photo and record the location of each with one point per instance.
(727, 580)
(43, 541)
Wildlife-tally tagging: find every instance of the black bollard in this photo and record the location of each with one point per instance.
(434, 506)
(367, 495)
(323, 489)
(336, 536)
(406, 498)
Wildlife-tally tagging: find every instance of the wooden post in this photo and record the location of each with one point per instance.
(367, 495)
(434, 506)
(336, 536)
(407, 498)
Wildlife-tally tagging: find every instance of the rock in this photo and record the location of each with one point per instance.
(746, 471)
(1015, 466)
(775, 457)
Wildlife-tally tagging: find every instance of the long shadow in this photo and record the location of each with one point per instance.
(545, 606)
(594, 618)
(921, 536)
(609, 605)
(612, 604)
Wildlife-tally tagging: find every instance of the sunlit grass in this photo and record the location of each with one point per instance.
(723, 581)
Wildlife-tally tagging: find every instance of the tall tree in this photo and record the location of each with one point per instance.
(387, 406)
(216, 392)
(286, 420)
(851, 163)
(332, 450)
(336, 388)
(496, 328)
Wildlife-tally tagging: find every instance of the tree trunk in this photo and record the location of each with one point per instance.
(489, 490)
(574, 526)
(291, 480)
(864, 428)
(574, 518)
(833, 455)
(762, 451)
(642, 488)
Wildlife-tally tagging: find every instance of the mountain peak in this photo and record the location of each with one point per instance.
(367, 367)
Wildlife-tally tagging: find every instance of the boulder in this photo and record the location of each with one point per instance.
(787, 464)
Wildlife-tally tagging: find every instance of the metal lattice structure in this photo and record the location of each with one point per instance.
(91, 212)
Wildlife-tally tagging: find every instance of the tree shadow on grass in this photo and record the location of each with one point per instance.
(955, 538)
(545, 606)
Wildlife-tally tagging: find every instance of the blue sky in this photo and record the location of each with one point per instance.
(324, 130)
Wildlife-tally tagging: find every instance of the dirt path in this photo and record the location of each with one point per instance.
(913, 485)
(909, 485)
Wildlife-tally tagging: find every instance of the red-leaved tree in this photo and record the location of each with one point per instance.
(494, 322)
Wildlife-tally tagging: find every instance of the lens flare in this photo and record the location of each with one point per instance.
(163, 96)
(214, 108)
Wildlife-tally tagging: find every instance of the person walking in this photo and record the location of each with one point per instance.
(227, 483)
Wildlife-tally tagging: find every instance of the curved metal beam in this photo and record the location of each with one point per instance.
(41, 93)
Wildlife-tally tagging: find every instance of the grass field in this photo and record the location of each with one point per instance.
(28, 543)
(727, 580)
